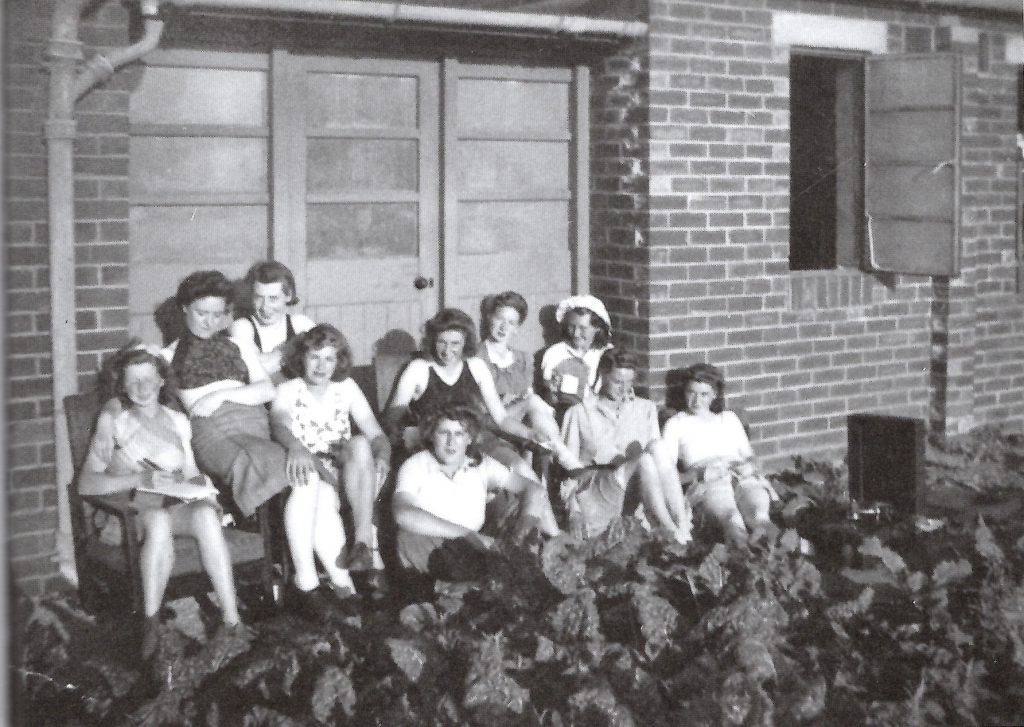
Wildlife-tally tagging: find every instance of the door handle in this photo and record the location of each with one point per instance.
(420, 283)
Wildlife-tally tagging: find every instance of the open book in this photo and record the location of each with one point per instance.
(156, 495)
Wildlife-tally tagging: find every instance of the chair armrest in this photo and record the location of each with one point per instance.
(118, 504)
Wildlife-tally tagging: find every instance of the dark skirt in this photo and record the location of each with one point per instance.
(233, 446)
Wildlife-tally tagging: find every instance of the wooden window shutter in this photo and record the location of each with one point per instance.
(912, 163)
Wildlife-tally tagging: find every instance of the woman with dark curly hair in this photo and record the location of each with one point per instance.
(450, 372)
(223, 386)
(712, 446)
(312, 416)
(143, 444)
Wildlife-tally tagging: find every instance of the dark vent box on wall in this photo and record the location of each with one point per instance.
(886, 460)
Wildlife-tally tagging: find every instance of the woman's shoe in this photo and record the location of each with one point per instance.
(360, 558)
(150, 636)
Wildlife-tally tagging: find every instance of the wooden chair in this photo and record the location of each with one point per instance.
(106, 571)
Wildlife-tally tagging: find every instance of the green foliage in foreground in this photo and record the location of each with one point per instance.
(894, 626)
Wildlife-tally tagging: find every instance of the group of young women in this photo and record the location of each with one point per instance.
(270, 407)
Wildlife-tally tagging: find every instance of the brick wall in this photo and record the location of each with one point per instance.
(101, 251)
(801, 350)
(619, 254)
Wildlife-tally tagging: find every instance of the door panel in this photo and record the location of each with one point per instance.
(510, 223)
(199, 175)
(363, 177)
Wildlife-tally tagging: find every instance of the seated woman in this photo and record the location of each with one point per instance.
(611, 442)
(271, 286)
(224, 386)
(512, 369)
(569, 367)
(141, 443)
(450, 372)
(712, 447)
(312, 417)
(440, 499)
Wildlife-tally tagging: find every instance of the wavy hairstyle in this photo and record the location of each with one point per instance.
(491, 304)
(705, 373)
(603, 335)
(205, 284)
(271, 271)
(455, 412)
(323, 334)
(111, 376)
(617, 358)
(449, 319)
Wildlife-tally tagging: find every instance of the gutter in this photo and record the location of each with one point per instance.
(67, 85)
(396, 12)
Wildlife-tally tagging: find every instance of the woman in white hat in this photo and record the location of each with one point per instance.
(569, 367)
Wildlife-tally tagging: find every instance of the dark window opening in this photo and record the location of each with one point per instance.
(826, 205)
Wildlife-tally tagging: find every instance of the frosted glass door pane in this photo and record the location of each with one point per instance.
(515, 107)
(353, 165)
(200, 96)
(343, 100)
(362, 230)
(489, 227)
(513, 165)
(161, 165)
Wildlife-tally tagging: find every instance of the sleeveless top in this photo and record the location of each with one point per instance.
(289, 330)
(464, 391)
(512, 381)
(201, 361)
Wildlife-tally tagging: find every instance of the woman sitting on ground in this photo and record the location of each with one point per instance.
(714, 451)
(224, 386)
(143, 444)
(512, 369)
(312, 417)
(450, 372)
(271, 287)
(440, 499)
(612, 445)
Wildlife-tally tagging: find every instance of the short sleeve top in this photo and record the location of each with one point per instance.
(598, 432)
(318, 423)
(123, 440)
(695, 439)
(460, 499)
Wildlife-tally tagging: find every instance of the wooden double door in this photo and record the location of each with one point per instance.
(390, 187)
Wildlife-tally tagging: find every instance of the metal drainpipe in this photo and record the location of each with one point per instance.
(65, 53)
(395, 11)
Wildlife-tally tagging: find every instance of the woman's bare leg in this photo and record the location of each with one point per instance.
(300, 511)
(721, 503)
(664, 466)
(329, 534)
(156, 557)
(203, 523)
(360, 482)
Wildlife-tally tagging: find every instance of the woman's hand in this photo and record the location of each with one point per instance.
(716, 469)
(208, 404)
(381, 467)
(299, 465)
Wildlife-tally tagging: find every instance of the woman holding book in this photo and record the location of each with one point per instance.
(142, 445)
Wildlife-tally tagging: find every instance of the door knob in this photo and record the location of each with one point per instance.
(420, 282)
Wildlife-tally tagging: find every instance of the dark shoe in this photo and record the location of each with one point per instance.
(313, 606)
(360, 558)
(150, 636)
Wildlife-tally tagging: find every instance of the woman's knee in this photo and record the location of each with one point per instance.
(357, 451)
(155, 526)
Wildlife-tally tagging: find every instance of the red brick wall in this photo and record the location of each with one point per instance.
(802, 350)
(101, 250)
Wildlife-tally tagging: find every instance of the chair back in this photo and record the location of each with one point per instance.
(386, 369)
(80, 412)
